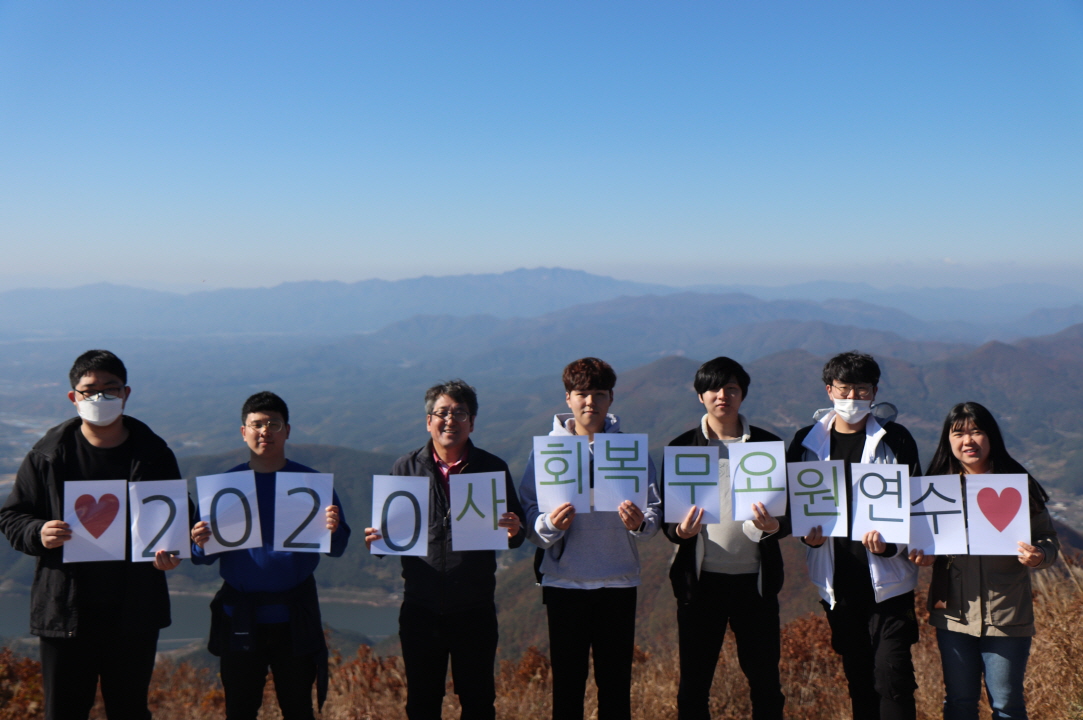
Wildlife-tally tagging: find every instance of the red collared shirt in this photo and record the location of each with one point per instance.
(447, 470)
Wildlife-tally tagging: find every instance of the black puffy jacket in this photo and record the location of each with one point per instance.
(38, 497)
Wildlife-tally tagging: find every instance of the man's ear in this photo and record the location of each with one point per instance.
(287, 431)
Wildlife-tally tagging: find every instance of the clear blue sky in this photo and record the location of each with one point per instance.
(184, 144)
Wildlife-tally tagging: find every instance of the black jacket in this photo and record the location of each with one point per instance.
(682, 573)
(38, 497)
(446, 581)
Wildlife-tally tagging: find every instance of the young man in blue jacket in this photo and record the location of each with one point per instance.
(267, 614)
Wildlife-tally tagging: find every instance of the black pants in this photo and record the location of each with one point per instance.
(581, 621)
(732, 600)
(245, 673)
(428, 639)
(874, 641)
(71, 667)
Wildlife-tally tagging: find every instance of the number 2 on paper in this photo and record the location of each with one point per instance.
(148, 551)
(289, 542)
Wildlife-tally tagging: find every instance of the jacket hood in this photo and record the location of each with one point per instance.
(818, 439)
(564, 424)
(884, 412)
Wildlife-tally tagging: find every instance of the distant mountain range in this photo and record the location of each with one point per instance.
(335, 308)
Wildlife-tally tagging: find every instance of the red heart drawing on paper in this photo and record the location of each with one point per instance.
(999, 509)
(97, 515)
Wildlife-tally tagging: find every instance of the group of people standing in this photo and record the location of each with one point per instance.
(101, 620)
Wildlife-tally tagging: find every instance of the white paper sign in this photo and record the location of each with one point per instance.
(400, 511)
(692, 479)
(477, 502)
(620, 470)
(97, 511)
(998, 513)
(159, 512)
(228, 503)
(562, 472)
(818, 498)
(300, 515)
(758, 474)
(881, 501)
(937, 524)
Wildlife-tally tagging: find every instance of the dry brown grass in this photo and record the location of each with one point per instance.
(367, 687)
(1055, 674)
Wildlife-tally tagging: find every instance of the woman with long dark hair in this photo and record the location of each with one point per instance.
(981, 605)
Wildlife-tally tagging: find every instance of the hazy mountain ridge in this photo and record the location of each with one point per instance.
(311, 307)
(336, 308)
(985, 305)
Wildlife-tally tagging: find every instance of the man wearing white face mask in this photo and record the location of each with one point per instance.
(94, 619)
(866, 586)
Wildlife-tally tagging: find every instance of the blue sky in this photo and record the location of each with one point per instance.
(208, 144)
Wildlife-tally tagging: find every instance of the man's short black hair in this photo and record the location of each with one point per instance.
(714, 374)
(97, 360)
(457, 390)
(852, 367)
(265, 402)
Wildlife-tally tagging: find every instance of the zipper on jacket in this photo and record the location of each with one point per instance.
(447, 534)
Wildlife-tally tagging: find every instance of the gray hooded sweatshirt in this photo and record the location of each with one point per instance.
(597, 550)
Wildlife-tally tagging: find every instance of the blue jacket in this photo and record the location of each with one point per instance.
(263, 570)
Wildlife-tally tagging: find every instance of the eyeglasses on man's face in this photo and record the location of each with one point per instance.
(456, 415)
(861, 391)
(272, 426)
(109, 393)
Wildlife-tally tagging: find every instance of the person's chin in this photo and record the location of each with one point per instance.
(594, 423)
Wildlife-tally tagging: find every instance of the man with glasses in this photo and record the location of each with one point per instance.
(866, 586)
(94, 619)
(267, 614)
(448, 608)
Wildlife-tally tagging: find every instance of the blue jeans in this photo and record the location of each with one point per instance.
(1004, 662)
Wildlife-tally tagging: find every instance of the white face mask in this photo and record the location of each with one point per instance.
(100, 411)
(851, 411)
